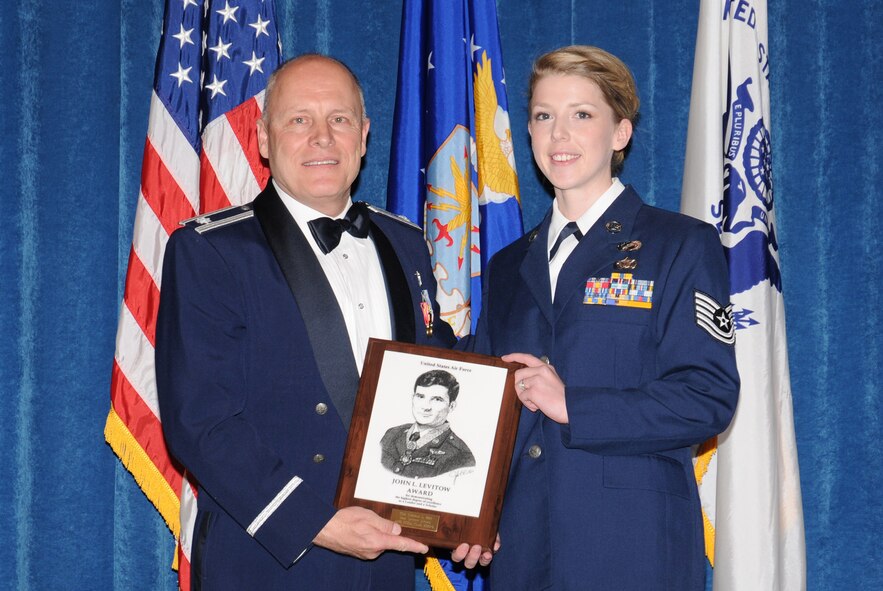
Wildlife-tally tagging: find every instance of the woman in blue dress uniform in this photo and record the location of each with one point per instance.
(620, 313)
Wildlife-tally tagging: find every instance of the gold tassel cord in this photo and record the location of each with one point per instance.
(438, 580)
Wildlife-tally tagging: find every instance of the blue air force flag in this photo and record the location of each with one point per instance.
(750, 487)
(452, 168)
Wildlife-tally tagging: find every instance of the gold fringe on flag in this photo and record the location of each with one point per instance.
(438, 580)
(156, 488)
(709, 538)
(704, 454)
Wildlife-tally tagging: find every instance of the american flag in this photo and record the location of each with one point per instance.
(201, 154)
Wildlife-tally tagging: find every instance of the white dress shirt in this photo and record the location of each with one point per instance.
(355, 274)
(585, 223)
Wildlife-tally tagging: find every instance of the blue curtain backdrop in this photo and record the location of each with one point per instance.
(76, 79)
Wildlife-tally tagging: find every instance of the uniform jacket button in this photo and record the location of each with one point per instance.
(318, 458)
(535, 451)
(321, 408)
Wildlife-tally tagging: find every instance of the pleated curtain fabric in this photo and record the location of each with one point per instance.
(73, 119)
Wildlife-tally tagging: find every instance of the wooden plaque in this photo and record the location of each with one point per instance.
(431, 441)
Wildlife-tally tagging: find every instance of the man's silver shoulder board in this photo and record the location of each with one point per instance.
(399, 218)
(218, 219)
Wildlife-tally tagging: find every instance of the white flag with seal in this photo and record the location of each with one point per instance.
(750, 486)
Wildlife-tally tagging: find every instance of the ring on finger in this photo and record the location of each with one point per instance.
(522, 385)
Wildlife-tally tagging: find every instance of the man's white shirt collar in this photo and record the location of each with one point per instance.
(303, 214)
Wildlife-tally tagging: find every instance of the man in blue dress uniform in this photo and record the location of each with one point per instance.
(265, 314)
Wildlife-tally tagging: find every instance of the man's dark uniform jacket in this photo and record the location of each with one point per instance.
(256, 382)
(441, 454)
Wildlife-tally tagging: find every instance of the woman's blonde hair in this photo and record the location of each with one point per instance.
(606, 70)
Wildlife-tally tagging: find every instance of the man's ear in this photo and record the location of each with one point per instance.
(366, 125)
(262, 138)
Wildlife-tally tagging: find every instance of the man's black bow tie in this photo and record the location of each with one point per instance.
(327, 231)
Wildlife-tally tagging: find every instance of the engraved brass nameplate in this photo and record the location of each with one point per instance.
(415, 520)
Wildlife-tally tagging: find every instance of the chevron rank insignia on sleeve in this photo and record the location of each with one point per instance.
(715, 319)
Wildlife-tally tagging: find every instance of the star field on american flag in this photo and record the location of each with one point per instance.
(212, 58)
